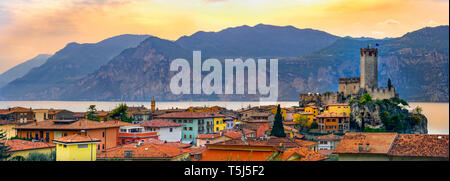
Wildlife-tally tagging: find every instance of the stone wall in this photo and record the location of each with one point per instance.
(380, 93)
(349, 86)
(369, 67)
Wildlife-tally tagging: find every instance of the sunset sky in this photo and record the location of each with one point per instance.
(31, 27)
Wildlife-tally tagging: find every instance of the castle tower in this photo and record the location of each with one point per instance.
(369, 67)
(153, 104)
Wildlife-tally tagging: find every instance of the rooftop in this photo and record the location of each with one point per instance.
(191, 115)
(144, 151)
(420, 145)
(74, 125)
(329, 137)
(20, 145)
(75, 138)
(379, 143)
(207, 136)
(160, 123)
(333, 115)
(306, 154)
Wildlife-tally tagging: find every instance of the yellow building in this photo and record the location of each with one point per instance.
(219, 124)
(8, 128)
(283, 112)
(76, 148)
(41, 114)
(312, 109)
(309, 115)
(338, 109)
(20, 149)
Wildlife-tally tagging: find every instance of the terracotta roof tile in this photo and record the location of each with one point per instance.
(420, 145)
(69, 125)
(160, 123)
(144, 151)
(329, 137)
(333, 115)
(76, 138)
(19, 145)
(306, 154)
(233, 134)
(191, 115)
(379, 143)
(207, 136)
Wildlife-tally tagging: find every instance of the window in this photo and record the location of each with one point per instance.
(170, 129)
(103, 134)
(185, 128)
(217, 122)
(98, 147)
(184, 121)
(65, 134)
(179, 121)
(82, 145)
(184, 136)
(190, 128)
(217, 129)
(65, 146)
(190, 121)
(103, 146)
(190, 136)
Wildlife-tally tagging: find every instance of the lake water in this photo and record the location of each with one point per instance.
(436, 113)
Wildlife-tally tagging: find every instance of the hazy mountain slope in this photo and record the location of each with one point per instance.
(22, 69)
(258, 41)
(68, 65)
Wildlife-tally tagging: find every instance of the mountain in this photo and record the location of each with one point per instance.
(258, 41)
(22, 69)
(417, 63)
(67, 66)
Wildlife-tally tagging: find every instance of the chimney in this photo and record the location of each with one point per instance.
(360, 147)
(367, 147)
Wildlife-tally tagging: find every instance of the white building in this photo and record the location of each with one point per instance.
(167, 131)
(328, 142)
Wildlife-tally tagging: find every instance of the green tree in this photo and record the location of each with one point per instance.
(302, 121)
(4, 154)
(278, 129)
(418, 110)
(37, 156)
(365, 100)
(92, 110)
(120, 113)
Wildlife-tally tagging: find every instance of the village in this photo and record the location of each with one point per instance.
(323, 127)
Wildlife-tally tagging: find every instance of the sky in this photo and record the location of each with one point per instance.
(32, 27)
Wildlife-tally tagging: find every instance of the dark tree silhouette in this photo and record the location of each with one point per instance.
(278, 129)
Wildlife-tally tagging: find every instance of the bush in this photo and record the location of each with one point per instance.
(38, 156)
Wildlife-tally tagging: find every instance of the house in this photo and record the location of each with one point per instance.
(144, 152)
(339, 108)
(20, 149)
(311, 108)
(47, 131)
(102, 115)
(229, 121)
(194, 123)
(76, 148)
(333, 123)
(134, 133)
(166, 130)
(7, 127)
(365, 146)
(203, 139)
(219, 124)
(328, 142)
(60, 114)
(79, 115)
(420, 147)
(41, 114)
(231, 134)
(140, 114)
(18, 114)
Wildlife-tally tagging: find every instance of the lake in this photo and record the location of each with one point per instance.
(436, 113)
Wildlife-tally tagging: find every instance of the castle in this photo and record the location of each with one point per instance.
(354, 87)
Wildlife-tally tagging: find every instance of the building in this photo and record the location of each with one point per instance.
(140, 114)
(420, 147)
(203, 139)
(167, 130)
(333, 123)
(194, 123)
(229, 121)
(47, 131)
(365, 146)
(349, 86)
(60, 114)
(338, 108)
(20, 149)
(134, 133)
(144, 152)
(76, 148)
(41, 114)
(219, 124)
(328, 142)
(153, 105)
(255, 149)
(8, 128)
(313, 109)
(18, 114)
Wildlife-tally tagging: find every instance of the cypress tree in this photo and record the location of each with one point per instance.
(389, 84)
(4, 154)
(278, 129)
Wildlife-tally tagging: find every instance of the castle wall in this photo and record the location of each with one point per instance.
(369, 67)
(349, 86)
(381, 93)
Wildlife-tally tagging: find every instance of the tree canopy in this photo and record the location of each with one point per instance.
(278, 129)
